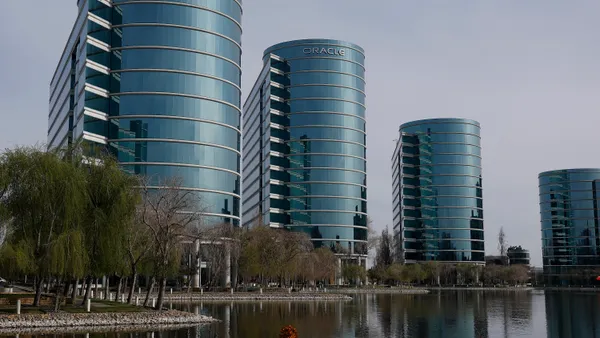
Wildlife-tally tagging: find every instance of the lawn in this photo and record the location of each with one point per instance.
(98, 306)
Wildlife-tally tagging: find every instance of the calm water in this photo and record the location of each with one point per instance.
(445, 314)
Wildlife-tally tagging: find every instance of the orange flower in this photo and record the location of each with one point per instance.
(288, 332)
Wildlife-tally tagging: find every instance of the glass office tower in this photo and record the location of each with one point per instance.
(570, 216)
(437, 191)
(157, 83)
(305, 143)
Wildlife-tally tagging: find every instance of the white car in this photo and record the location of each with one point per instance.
(2, 280)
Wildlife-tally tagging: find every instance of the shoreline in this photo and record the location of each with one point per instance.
(412, 291)
(100, 321)
(96, 329)
(480, 288)
(255, 296)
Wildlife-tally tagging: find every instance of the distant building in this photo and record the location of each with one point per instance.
(518, 256)
(437, 192)
(496, 260)
(570, 220)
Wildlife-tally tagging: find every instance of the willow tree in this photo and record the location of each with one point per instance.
(111, 197)
(44, 198)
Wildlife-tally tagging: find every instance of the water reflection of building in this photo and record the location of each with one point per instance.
(570, 220)
(572, 316)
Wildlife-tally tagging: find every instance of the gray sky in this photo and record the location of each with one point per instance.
(527, 70)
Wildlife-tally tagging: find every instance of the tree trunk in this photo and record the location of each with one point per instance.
(161, 293)
(134, 277)
(106, 281)
(150, 287)
(88, 290)
(66, 289)
(74, 291)
(38, 291)
(83, 286)
(58, 295)
(118, 294)
(96, 282)
(48, 285)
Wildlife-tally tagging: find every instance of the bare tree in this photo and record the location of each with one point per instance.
(138, 242)
(169, 211)
(502, 244)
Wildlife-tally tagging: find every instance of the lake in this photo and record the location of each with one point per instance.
(447, 314)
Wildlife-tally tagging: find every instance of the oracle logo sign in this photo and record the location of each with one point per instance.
(326, 51)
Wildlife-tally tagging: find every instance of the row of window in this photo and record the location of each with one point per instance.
(442, 191)
(325, 119)
(163, 128)
(445, 234)
(425, 182)
(456, 212)
(324, 175)
(230, 8)
(175, 152)
(325, 232)
(569, 196)
(563, 207)
(441, 202)
(443, 223)
(181, 15)
(167, 82)
(441, 148)
(445, 256)
(350, 94)
(442, 169)
(191, 177)
(180, 60)
(321, 105)
(319, 203)
(427, 128)
(565, 214)
(429, 139)
(448, 244)
(562, 188)
(146, 104)
(306, 148)
(132, 36)
(316, 77)
(320, 189)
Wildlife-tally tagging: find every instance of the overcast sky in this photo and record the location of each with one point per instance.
(529, 71)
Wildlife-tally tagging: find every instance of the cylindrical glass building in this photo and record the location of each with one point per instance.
(175, 97)
(437, 191)
(315, 157)
(570, 218)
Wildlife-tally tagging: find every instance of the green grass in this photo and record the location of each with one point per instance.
(16, 295)
(102, 307)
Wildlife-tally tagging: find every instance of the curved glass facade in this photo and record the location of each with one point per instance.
(570, 219)
(437, 191)
(160, 87)
(310, 102)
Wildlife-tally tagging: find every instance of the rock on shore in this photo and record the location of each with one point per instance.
(146, 318)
